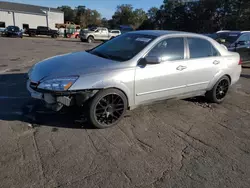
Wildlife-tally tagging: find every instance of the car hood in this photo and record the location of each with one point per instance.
(77, 63)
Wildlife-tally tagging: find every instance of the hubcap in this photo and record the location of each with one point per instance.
(109, 109)
(222, 89)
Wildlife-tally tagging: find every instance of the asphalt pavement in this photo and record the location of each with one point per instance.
(177, 143)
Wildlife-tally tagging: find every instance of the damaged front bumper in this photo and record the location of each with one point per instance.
(56, 100)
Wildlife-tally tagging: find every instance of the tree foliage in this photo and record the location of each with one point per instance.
(81, 15)
(196, 16)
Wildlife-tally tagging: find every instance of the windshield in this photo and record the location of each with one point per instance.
(11, 28)
(227, 37)
(92, 29)
(124, 47)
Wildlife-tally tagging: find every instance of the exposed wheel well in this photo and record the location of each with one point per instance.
(121, 91)
(228, 77)
(91, 36)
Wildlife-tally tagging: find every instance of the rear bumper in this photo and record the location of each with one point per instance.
(236, 75)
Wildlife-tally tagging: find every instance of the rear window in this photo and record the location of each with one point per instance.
(227, 37)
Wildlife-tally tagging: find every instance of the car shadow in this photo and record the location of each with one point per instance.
(245, 76)
(17, 105)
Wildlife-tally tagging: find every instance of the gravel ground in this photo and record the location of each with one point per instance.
(184, 143)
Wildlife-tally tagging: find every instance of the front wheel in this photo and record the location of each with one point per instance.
(90, 39)
(218, 93)
(107, 108)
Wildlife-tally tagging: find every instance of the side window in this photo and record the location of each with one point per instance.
(200, 48)
(244, 38)
(2, 24)
(169, 49)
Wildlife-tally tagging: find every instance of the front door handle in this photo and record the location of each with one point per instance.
(216, 62)
(180, 68)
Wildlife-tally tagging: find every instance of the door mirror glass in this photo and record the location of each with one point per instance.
(153, 60)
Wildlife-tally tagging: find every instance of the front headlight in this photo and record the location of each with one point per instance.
(58, 84)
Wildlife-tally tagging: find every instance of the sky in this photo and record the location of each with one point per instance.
(105, 7)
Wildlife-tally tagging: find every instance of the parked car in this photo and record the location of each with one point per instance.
(118, 32)
(13, 31)
(99, 33)
(125, 28)
(236, 41)
(2, 31)
(135, 68)
(42, 31)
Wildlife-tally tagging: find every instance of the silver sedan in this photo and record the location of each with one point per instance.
(135, 68)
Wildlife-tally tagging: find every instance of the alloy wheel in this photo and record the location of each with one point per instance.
(222, 89)
(109, 109)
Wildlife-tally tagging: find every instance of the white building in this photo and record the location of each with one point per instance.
(28, 16)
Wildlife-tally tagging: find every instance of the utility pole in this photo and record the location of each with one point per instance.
(47, 17)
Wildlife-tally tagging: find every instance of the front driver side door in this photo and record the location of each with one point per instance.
(164, 80)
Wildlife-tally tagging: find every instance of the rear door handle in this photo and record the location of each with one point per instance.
(180, 68)
(216, 62)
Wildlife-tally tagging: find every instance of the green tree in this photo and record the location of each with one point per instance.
(69, 14)
(139, 16)
(126, 15)
(104, 22)
(79, 11)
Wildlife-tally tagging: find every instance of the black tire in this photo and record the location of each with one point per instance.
(77, 36)
(218, 93)
(90, 39)
(107, 108)
(83, 40)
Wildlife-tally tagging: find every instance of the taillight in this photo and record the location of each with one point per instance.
(240, 62)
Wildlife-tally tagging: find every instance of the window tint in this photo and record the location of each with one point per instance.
(244, 37)
(170, 49)
(201, 48)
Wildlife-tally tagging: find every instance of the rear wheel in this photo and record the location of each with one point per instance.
(91, 39)
(54, 36)
(219, 91)
(107, 108)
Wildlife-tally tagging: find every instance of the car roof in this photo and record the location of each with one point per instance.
(159, 33)
(228, 31)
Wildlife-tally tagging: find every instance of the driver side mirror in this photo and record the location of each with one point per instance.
(153, 60)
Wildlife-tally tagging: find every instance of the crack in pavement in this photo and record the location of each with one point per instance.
(39, 161)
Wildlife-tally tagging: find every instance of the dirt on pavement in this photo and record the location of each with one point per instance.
(177, 143)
